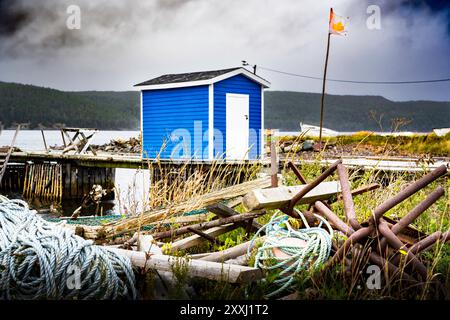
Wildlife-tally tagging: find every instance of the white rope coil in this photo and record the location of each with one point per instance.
(41, 260)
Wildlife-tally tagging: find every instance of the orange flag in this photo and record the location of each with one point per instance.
(337, 24)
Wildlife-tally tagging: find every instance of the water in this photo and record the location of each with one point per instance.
(132, 185)
(31, 140)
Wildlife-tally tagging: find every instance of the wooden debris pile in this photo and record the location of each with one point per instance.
(132, 145)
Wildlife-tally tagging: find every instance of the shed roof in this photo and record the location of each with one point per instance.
(198, 78)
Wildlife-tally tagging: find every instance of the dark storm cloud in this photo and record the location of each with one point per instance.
(40, 26)
(12, 17)
(407, 8)
(122, 42)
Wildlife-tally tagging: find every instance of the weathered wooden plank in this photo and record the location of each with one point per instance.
(196, 268)
(276, 198)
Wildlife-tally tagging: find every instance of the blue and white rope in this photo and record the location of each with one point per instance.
(38, 259)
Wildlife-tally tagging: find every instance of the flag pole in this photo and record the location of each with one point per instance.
(324, 81)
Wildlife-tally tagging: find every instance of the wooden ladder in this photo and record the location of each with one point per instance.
(4, 162)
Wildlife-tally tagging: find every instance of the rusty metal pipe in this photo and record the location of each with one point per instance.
(365, 189)
(347, 198)
(310, 218)
(386, 265)
(445, 237)
(407, 192)
(292, 213)
(359, 191)
(312, 185)
(397, 244)
(418, 210)
(414, 213)
(297, 172)
(426, 243)
(333, 218)
(420, 246)
(354, 238)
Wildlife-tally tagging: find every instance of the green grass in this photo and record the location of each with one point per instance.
(429, 144)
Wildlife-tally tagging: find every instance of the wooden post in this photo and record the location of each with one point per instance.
(43, 138)
(323, 84)
(63, 139)
(8, 155)
(273, 163)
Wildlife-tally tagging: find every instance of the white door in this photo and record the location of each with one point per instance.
(237, 126)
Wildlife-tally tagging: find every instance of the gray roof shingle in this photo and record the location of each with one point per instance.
(186, 77)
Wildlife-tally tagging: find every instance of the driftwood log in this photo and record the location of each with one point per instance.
(196, 268)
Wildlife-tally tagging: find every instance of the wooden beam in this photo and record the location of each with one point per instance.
(196, 268)
(280, 197)
(195, 240)
(206, 225)
(231, 253)
(224, 211)
(206, 236)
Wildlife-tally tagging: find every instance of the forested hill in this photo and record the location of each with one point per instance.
(44, 107)
(48, 107)
(353, 113)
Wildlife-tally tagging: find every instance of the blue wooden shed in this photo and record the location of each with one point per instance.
(203, 115)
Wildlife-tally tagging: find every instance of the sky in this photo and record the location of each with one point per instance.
(124, 42)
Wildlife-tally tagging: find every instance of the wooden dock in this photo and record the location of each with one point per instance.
(108, 160)
(81, 171)
(388, 164)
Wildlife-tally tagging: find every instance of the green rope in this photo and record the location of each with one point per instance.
(298, 257)
(88, 221)
(100, 220)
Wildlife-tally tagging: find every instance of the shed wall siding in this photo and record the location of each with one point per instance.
(178, 116)
(241, 85)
